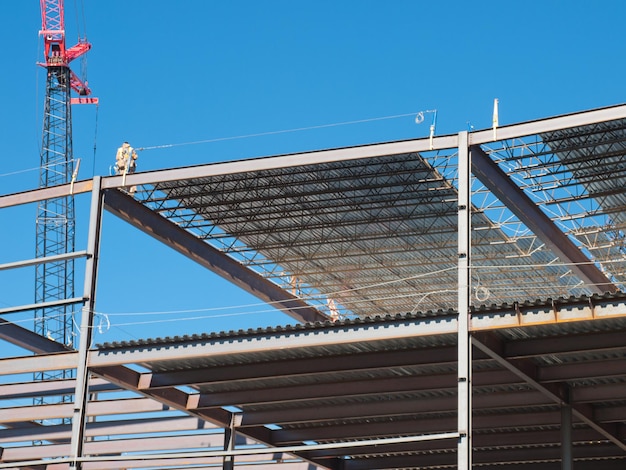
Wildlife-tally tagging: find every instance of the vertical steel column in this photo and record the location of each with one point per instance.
(567, 462)
(464, 386)
(229, 440)
(79, 417)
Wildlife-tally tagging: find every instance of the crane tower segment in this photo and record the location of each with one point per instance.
(55, 217)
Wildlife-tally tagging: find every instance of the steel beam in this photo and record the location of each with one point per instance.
(30, 364)
(585, 414)
(201, 252)
(566, 437)
(79, 415)
(372, 150)
(105, 428)
(115, 446)
(41, 305)
(240, 452)
(325, 156)
(356, 333)
(271, 462)
(556, 123)
(28, 340)
(425, 425)
(45, 259)
(398, 407)
(48, 388)
(306, 366)
(64, 410)
(498, 182)
(37, 195)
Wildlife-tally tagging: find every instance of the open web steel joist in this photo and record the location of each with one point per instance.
(368, 237)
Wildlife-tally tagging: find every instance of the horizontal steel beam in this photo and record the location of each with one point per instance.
(324, 156)
(94, 408)
(115, 446)
(53, 192)
(19, 336)
(50, 388)
(296, 339)
(201, 252)
(269, 462)
(31, 364)
(58, 432)
(556, 123)
(41, 305)
(43, 260)
(424, 425)
(512, 316)
(241, 452)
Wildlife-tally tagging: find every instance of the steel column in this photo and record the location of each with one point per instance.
(464, 448)
(79, 417)
(228, 462)
(566, 434)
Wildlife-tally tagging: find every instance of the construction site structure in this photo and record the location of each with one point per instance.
(480, 288)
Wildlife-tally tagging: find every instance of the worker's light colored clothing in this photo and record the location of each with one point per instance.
(125, 159)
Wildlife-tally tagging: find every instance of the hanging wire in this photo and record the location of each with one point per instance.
(285, 131)
(219, 139)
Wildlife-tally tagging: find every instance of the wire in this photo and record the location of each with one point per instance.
(76, 17)
(310, 297)
(276, 304)
(259, 134)
(19, 171)
(36, 168)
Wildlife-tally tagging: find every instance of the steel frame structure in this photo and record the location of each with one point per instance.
(446, 381)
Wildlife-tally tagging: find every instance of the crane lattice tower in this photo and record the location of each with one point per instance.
(55, 217)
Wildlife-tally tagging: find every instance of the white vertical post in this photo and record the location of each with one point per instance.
(464, 386)
(79, 417)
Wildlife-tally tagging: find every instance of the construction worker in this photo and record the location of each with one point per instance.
(125, 160)
(126, 163)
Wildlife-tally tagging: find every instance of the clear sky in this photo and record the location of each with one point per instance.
(195, 70)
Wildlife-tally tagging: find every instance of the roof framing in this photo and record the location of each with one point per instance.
(365, 391)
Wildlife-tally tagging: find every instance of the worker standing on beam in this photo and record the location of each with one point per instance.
(126, 162)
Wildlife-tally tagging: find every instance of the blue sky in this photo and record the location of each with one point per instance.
(194, 70)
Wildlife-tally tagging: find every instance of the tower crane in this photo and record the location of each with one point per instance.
(55, 217)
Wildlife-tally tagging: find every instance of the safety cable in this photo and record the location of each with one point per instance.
(260, 134)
